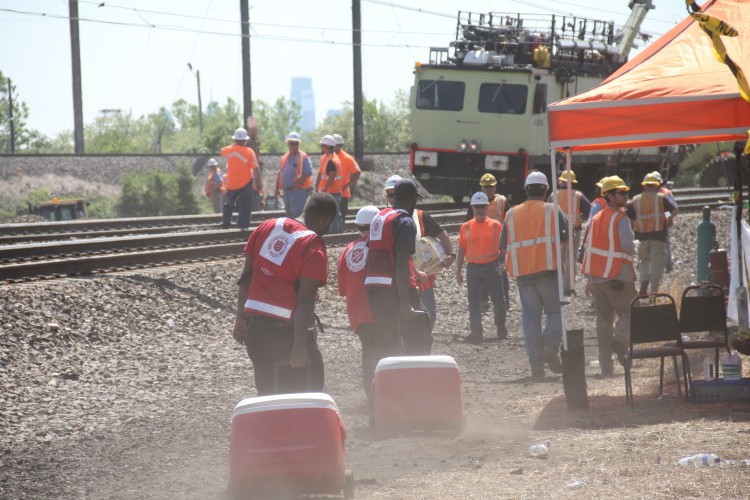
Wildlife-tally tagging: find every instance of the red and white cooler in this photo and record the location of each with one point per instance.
(287, 444)
(417, 392)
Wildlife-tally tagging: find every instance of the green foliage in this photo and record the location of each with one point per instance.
(386, 126)
(10, 209)
(25, 139)
(100, 207)
(275, 122)
(154, 193)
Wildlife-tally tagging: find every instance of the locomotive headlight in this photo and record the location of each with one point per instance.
(473, 146)
(463, 146)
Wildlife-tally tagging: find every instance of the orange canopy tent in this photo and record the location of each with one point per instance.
(674, 92)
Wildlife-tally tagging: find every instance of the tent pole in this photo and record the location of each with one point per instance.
(553, 170)
(570, 216)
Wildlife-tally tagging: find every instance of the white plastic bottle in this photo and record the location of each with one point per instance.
(539, 450)
(708, 369)
(700, 460)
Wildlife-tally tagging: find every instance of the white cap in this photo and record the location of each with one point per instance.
(327, 140)
(293, 136)
(479, 198)
(337, 139)
(366, 214)
(212, 163)
(240, 135)
(391, 182)
(536, 178)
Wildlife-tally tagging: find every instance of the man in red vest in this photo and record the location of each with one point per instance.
(351, 281)
(285, 264)
(608, 264)
(402, 325)
(294, 176)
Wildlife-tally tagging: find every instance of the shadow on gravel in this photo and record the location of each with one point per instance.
(611, 412)
(165, 283)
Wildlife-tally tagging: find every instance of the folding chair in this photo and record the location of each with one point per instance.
(704, 311)
(653, 319)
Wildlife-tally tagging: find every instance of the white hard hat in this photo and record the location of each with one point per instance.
(366, 214)
(391, 182)
(327, 140)
(293, 136)
(212, 163)
(337, 139)
(536, 178)
(479, 198)
(240, 135)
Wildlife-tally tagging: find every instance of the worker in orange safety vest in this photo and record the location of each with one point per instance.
(350, 172)
(608, 264)
(294, 176)
(528, 243)
(329, 178)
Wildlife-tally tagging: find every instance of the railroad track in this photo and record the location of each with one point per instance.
(103, 246)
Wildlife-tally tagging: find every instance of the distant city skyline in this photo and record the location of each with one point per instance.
(302, 93)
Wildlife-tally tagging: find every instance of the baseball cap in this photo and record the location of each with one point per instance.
(391, 182)
(366, 214)
(406, 187)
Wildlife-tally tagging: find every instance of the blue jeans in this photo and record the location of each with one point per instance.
(336, 225)
(243, 197)
(538, 293)
(428, 301)
(484, 277)
(294, 201)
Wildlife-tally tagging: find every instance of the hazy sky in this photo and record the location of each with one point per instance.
(135, 53)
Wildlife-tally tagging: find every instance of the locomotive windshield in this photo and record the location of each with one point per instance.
(440, 95)
(503, 98)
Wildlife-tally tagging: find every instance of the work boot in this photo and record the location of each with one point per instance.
(644, 288)
(538, 374)
(473, 338)
(552, 361)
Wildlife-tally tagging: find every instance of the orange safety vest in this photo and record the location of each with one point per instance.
(241, 162)
(481, 240)
(301, 157)
(336, 186)
(496, 208)
(348, 167)
(649, 212)
(604, 256)
(576, 221)
(531, 238)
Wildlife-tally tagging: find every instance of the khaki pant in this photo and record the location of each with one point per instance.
(652, 257)
(608, 303)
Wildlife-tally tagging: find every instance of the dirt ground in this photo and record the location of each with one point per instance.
(131, 397)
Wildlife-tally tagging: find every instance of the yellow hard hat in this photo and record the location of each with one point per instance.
(651, 179)
(564, 177)
(601, 181)
(614, 182)
(487, 180)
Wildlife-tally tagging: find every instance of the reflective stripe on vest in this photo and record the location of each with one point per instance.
(548, 240)
(649, 213)
(613, 253)
(256, 305)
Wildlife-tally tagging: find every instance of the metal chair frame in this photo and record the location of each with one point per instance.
(653, 318)
(704, 312)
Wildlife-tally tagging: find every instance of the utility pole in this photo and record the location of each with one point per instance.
(359, 135)
(75, 49)
(200, 103)
(246, 84)
(10, 119)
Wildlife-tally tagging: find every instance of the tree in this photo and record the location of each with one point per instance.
(24, 138)
(187, 202)
(118, 132)
(275, 122)
(386, 127)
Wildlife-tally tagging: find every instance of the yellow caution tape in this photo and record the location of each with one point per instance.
(747, 144)
(714, 25)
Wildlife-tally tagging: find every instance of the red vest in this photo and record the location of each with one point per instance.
(351, 282)
(381, 258)
(279, 248)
